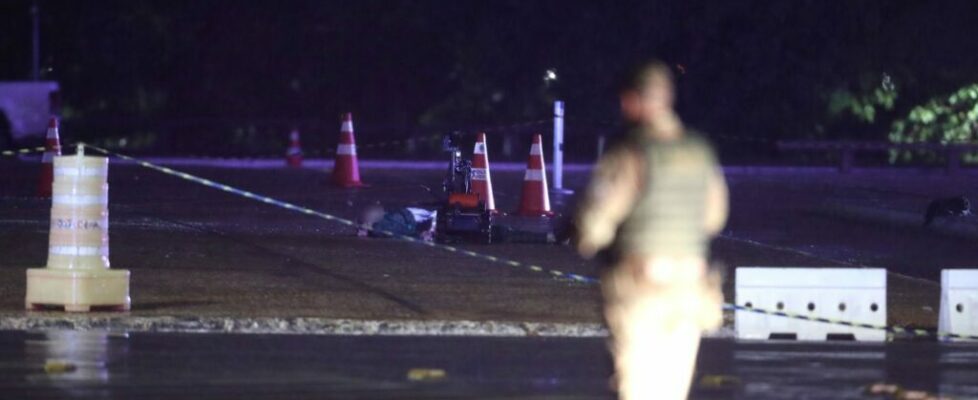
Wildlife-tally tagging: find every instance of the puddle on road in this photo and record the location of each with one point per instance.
(843, 371)
(79, 363)
(71, 356)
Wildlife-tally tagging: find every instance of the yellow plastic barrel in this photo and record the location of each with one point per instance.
(77, 275)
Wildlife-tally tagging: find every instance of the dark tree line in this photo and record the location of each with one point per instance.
(746, 68)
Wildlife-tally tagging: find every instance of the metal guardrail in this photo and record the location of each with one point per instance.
(870, 145)
(847, 150)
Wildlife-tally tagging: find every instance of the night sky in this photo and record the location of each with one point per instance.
(746, 68)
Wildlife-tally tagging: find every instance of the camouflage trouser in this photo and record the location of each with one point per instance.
(656, 310)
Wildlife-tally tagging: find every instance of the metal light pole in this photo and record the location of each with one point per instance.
(36, 45)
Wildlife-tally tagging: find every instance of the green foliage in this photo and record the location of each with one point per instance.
(863, 106)
(948, 119)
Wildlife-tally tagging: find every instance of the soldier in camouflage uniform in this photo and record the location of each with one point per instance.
(655, 200)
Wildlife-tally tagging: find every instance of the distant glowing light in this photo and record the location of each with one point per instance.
(550, 75)
(681, 68)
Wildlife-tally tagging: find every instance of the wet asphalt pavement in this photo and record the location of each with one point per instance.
(67, 364)
(195, 251)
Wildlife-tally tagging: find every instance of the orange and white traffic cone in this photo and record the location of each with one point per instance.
(293, 156)
(52, 148)
(346, 169)
(481, 180)
(535, 201)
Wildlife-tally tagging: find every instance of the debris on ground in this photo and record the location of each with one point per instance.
(895, 392)
(58, 367)
(718, 382)
(405, 221)
(426, 374)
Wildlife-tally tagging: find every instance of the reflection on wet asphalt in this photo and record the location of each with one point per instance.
(67, 364)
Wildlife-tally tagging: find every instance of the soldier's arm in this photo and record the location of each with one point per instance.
(717, 202)
(608, 200)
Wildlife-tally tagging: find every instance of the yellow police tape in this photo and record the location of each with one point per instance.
(308, 211)
(512, 263)
(20, 152)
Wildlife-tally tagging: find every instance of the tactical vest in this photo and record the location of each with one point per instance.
(669, 214)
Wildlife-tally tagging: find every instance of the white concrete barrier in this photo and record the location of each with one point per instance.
(959, 302)
(855, 295)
